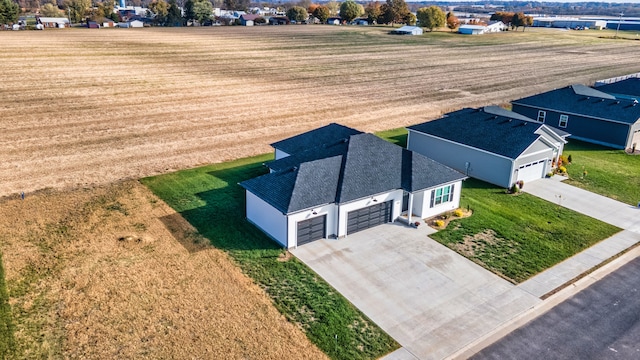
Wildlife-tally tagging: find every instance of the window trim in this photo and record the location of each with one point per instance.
(566, 121)
(542, 116)
(445, 196)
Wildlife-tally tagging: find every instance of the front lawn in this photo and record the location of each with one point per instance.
(210, 199)
(609, 172)
(518, 236)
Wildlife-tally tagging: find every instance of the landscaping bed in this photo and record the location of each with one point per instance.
(210, 199)
(518, 236)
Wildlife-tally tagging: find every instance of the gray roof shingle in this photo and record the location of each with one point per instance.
(582, 100)
(492, 129)
(366, 166)
(315, 138)
(628, 88)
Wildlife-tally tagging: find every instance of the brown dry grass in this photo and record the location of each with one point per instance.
(84, 106)
(114, 273)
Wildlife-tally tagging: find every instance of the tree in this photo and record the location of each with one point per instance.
(202, 11)
(188, 13)
(321, 13)
(298, 14)
(394, 11)
(505, 17)
(520, 19)
(431, 17)
(50, 10)
(160, 11)
(350, 10)
(452, 21)
(372, 11)
(333, 7)
(174, 15)
(8, 12)
(78, 9)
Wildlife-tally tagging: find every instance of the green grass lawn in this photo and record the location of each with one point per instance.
(611, 173)
(518, 236)
(210, 199)
(7, 340)
(395, 136)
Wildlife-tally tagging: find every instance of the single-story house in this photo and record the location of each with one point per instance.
(334, 181)
(334, 20)
(136, 23)
(54, 22)
(491, 144)
(407, 30)
(249, 19)
(278, 20)
(93, 24)
(588, 114)
(628, 88)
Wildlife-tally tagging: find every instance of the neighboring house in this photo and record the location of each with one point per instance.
(588, 114)
(334, 181)
(491, 144)
(407, 30)
(361, 21)
(334, 20)
(249, 19)
(53, 22)
(495, 26)
(93, 25)
(627, 89)
(278, 20)
(136, 23)
(108, 23)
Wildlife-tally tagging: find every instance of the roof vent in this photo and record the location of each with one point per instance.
(601, 100)
(635, 101)
(524, 123)
(618, 102)
(495, 116)
(510, 120)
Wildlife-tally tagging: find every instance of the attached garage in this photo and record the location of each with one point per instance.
(311, 230)
(531, 171)
(369, 217)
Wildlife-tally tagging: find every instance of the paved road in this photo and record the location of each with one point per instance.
(601, 322)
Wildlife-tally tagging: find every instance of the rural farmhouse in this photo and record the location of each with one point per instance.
(490, 144)
(333, 181)
(588, 114)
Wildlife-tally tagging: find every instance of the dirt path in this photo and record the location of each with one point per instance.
(83, 107)
(114, 273)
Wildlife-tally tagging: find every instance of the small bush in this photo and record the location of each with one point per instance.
(569, 159)
(563, 160)
(562, 169)
(520, 184)
(550, 174)
(515, 189)
(439, 223)
(458, 212)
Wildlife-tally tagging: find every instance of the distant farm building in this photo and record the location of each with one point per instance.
(54, 22)
(407, 30)
(568, 22)
(482, 29)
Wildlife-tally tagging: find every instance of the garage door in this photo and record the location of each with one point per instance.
(312, 229)
(531, 171)
(368, 217)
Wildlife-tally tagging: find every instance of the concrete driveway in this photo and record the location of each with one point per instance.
(427, 297)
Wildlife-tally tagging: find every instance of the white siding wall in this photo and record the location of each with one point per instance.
(330, 210)
(422, 202)
(395, 196)
(267, 218)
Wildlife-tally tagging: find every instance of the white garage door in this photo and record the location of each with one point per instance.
(531, 171)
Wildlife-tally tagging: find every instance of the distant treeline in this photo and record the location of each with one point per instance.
(547, 8)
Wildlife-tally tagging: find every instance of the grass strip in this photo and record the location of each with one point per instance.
(210, 199)
(605, 171)
(7, 339)
(518, 236)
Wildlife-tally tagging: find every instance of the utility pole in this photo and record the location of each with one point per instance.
(619, 21)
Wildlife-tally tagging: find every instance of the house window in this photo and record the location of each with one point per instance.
(441, 195)
(564, 119)
(541, 115)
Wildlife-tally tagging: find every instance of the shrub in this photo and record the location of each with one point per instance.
(564, 160)
(550, 174)
(458, 212)
(514, 188)
(562, 169)
(520, 184)
(439, 223)
(569, 159)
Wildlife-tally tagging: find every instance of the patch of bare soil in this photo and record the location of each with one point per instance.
(113, 273)
(473, 245)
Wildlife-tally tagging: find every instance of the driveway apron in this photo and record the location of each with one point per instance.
(427, 297)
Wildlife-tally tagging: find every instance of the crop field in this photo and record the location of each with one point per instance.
(80, 107)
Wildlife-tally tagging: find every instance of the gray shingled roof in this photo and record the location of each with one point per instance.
(315, 138)
(629, 87)
(367, 166)
(576, 99)
(486, 130)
